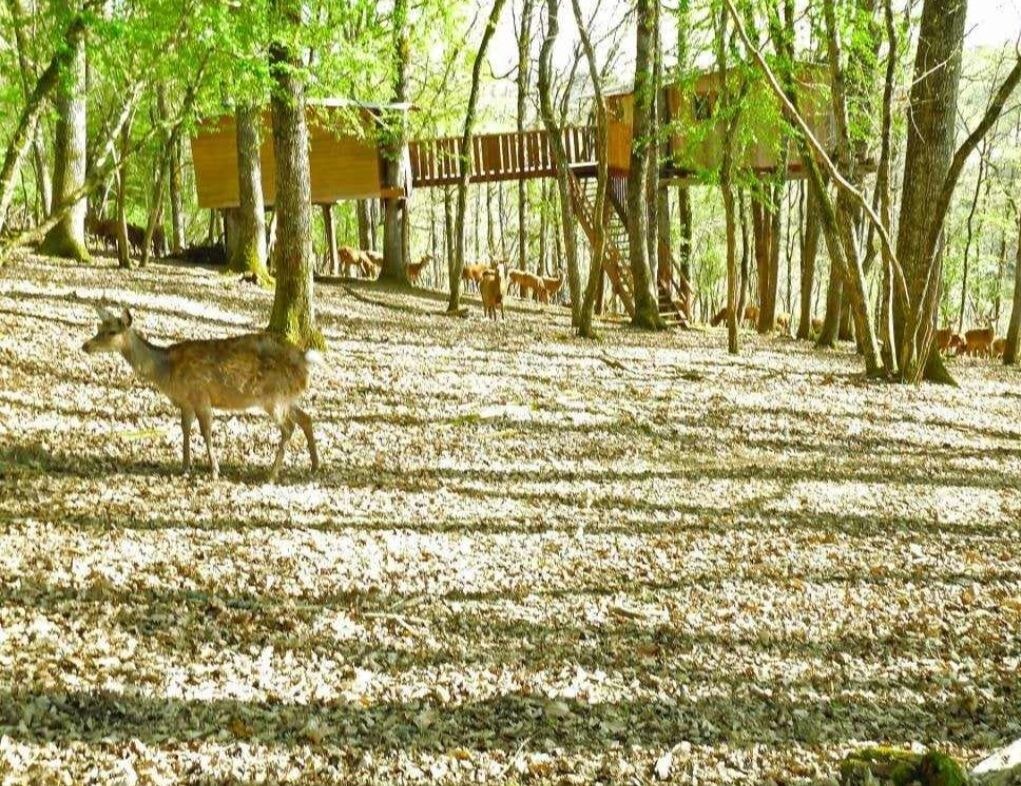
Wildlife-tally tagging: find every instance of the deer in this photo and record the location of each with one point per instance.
(751, 315)
(473, 274)
(949, 342)
(415, 269)
(493, 287)
(258, 370)
(551, 285)
(349, 258)
(979, 341)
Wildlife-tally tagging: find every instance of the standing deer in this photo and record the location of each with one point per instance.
(257, 370)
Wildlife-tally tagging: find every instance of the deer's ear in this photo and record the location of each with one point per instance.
(126, 317)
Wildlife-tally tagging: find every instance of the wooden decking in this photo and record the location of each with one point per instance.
(503, 156)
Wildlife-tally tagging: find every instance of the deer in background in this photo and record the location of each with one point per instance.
(415, 269)
(493, 288)
(259, 370)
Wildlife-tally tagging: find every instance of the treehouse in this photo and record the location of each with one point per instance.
(347, 163)
(696, 140)
(344, 157)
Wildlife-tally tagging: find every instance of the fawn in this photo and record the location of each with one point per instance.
(256, 370)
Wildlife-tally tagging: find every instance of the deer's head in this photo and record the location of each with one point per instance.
(112, 333)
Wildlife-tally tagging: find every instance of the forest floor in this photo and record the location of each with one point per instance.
(526, 559)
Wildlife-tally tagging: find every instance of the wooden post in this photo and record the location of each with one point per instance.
(332, 261)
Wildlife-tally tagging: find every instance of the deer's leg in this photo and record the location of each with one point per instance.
(187, 416)
(301, 417)
(286, 424)
(205, 416)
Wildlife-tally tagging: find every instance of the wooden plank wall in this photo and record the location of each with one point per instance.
(343, 166)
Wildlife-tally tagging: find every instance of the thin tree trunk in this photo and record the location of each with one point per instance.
(293, 312)
(595, 273)
(554, 130)
(28, 80)
(178, 239)
(123, 245)
(726, 186)
(809, 253)
(524, 60)
(364, 222)
(969, 234)
(330, 236)
(448, 229)
(1001, 263)
(543, 228)
(1012, 348)
(490, 233)
(746, 246)
(454, 304)
(684, 248)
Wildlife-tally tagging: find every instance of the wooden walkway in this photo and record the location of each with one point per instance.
(504, 156)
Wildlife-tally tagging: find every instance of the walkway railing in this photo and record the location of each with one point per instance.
(504, 156)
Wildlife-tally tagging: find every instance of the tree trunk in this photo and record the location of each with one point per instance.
(726, 185)
(330, 236)
(249, 252)
(1011, 350)
(28, 79)
(490, 233)
(293, 312)
(767, 258)
(746, 245)
(123, 245)
(66, 60)
(448, 229)
(67, 237)
(567, 222)
(395, 152)
(969, 234)
(809, 253)
(454, 304)
(931, 128)
(362, 214)
(524, 59)
(684, 248)
(177, 238)
(601, 207)
(543, 228)
(834, 299)
(646, 306)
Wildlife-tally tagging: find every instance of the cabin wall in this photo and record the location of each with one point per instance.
(342, 165)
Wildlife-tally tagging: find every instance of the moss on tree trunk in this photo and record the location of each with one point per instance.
(67, 237)
(293, 312)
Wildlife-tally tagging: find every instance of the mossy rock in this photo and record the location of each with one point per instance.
(901, 768)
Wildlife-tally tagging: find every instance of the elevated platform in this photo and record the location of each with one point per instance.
(501, 156)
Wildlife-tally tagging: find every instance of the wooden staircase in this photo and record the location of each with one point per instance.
(669, 307)
(615, 245)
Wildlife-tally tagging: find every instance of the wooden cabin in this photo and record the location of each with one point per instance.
(344, 156)
(696, 146)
